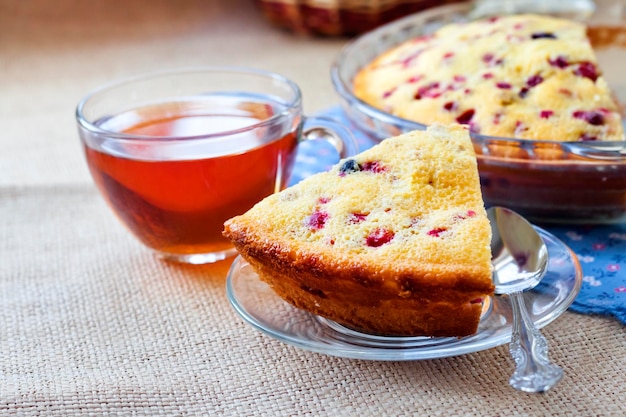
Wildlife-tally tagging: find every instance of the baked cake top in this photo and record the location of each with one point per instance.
(518, 76)
(410, 205)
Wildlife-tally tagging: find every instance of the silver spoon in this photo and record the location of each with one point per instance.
(520, 259)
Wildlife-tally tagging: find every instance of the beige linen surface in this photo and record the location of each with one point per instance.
(91, 323)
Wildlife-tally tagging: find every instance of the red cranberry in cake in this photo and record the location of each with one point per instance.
(323, 200)
(379, 237)
(389, 93)
(437, 232)
(534, 80)
(428, 91)
(373, 166)
(463, 216)
(587, 70)
(317, 220)
(545, 114)
(465, 117)
(450, 106)
(559, 62)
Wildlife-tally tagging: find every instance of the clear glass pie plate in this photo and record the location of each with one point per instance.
(544, 180)
(260, 307)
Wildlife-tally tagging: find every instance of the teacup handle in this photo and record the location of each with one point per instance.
(331, 131)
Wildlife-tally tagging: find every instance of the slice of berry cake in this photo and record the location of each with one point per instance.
(394, 241)
(519, 76)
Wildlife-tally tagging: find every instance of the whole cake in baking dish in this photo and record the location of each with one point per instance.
(517, 76)
(393, 241)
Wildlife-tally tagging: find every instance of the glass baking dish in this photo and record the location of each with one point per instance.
(546, 181)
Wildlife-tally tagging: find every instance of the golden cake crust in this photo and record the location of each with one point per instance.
(399, 248)
(519, 76)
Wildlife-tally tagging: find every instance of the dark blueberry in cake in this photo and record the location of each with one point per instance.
(348, 167)
(523, 92)
(594, 118)
(504, 86)
(543, 35)
(379, 237)
(317, 220)
(465, 117)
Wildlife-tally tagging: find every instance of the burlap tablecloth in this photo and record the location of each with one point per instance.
(91, 323)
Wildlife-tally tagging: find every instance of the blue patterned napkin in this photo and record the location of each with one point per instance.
(601, 250)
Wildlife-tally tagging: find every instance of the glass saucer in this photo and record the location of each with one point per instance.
(260, 307)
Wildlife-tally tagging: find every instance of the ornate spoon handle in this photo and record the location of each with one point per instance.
(533, 371)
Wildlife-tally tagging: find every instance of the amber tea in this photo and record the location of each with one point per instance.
(175, 199)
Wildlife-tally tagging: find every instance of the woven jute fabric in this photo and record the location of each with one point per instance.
(91, 323)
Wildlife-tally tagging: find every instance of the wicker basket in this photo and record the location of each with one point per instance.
(339, 17)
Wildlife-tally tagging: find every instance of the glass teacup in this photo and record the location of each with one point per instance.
(175, 154)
